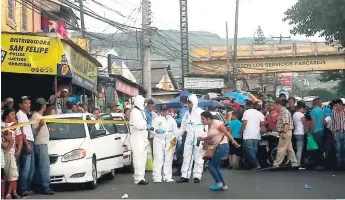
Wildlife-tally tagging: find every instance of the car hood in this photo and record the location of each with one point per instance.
(61, 147)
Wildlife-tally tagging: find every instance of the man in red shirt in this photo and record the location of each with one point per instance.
(272, 118)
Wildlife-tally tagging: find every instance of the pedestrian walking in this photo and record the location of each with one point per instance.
(41, 133)
(139, 139)
(217, 147)
(284, 128)
(338, 129)
(193, 152)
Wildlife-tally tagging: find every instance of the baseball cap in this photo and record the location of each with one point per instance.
(65, 90)
(41, 101)
(23, 98)
(9, 99)
(150, 102)
(249, 103)
(164, 107)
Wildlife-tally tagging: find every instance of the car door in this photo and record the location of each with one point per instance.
(121, 129)
(108, 148)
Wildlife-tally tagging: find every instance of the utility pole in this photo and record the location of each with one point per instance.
(234, 59)
(146, 40)
(227, 52)
(82, 23)
(281, 38)
(184, 39)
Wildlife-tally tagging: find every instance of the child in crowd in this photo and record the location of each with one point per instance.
(234, 127)
(9, 148)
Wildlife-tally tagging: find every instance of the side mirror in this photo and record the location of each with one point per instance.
(98, 133)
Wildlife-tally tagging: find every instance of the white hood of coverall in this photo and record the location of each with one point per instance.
(194, 99)
(139, 102)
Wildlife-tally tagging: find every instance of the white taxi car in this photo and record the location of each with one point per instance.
(124, 132)
(82, 153)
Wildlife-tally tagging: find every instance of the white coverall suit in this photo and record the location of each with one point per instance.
(161, 142)
(138, 138)
(191, 122)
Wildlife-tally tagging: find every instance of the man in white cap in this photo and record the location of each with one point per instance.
(9, 102)
(193, 153)
(59, 100)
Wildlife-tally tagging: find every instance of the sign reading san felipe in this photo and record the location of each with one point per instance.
(30, 54)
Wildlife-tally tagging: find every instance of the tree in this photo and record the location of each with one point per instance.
(311, 17)
(259, 37)
(326, 18)
(324, 94)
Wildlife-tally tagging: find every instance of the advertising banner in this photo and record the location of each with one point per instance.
(84, 71)
(30, 54)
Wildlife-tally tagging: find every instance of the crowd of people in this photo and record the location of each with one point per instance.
(293, 122)
(198, 138)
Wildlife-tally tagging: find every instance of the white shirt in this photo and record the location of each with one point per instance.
(42, 137)
(22, 117)
(297, 121)
(328, 122)
(14, 132)
(252, 129)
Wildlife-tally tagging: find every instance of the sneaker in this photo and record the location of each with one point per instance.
(196, 180)
(301, 168)
(230, 167)
(26, 194)
(157, 181)
(48, 192)
(143, 182)
(169, 180)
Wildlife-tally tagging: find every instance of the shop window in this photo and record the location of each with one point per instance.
(24, 16)
(11, 13)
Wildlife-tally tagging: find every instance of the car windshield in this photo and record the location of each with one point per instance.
(114, 128)
(65, 131)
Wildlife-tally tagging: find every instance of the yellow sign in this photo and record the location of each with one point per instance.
(30, 54)
(267, 65)
(81, 65)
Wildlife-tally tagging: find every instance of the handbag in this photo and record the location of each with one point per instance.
(312, 145)
(210, 149)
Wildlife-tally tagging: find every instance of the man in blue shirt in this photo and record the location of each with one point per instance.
(150, 115)
(180, 146)
(317, 126)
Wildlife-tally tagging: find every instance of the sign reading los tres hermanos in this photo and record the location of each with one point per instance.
(30, 54)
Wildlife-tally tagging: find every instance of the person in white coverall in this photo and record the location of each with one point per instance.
(165, 129)
(139, 142)
(193, 152)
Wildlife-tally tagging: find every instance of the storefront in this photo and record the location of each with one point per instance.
(78, 69)
(125, 90)
(28, 65)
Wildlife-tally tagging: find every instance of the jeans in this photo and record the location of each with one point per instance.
(340, 148)
(299, 147)
(213, 165)
(251, 148)
(26, 168)
(43, 166)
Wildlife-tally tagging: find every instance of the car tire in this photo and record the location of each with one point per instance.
(93, 184)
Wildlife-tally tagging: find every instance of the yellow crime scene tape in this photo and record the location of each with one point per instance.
(65, 121)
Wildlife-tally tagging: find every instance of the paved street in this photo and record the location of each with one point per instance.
(242, 184)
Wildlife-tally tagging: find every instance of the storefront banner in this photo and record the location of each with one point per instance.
(127, 89)
(82, 82)
(30, 54)
(84, 71)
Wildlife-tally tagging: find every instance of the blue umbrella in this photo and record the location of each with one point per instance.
(209, 103)
(238, 96)
(201, 103)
